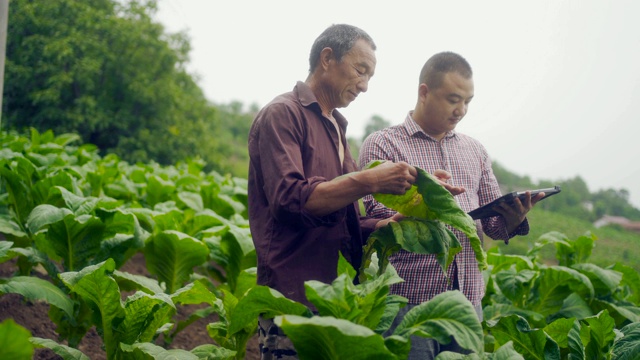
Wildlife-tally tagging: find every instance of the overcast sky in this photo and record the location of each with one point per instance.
(557, 83)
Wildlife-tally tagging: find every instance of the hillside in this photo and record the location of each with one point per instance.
(613, 244)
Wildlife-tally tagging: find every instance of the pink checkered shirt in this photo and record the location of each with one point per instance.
(470, 166)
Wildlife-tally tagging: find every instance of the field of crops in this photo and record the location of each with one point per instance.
(72, 220)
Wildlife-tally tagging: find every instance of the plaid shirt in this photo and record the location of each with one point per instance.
(469, 164)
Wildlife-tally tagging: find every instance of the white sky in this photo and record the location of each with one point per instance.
(556, 82)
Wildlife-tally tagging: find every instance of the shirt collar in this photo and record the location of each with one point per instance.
(307, 98)
(413, 128)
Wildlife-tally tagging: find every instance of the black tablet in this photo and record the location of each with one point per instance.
(487, 210)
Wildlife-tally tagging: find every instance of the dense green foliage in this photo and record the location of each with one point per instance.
(105, 70)
(612, 244)
(80, 216)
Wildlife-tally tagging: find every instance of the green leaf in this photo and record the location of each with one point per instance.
(266, 301)
(79, 205)
(630, 281)
(559, 331)
(194, 293)
(158, 190)
(5, 251)
(427, 199)
(554, 285)
(158, 352)
(336, 299)
(531, 343)
(14, 341)
(66, 352)
(172, 256)
(515, 285)
(190, 200)
(17, 180)
(10, 228)
(504, 261)
(44, 188)
(445, 315)
(628, 347)
(144, 314)
(207, 352)
(76, 239)
(34, 288)
(604, 281)
(601, 326)
(327, 338)
(138, 282)
(43, 215)
(100, 290)
(574, 306)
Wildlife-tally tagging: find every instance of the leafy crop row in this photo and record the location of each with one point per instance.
(81, 216)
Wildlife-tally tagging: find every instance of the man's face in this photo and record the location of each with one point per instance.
(350, 76)
(447, 105)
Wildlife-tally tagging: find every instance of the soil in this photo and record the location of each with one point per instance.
(34, 317)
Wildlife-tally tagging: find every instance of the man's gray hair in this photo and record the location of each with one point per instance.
(340, 38)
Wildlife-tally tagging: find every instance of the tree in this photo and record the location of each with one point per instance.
(105, 70)
(375, 123)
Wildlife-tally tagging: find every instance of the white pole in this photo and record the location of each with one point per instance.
(4, 20)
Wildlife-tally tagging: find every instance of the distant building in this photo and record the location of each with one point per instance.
(618, 220)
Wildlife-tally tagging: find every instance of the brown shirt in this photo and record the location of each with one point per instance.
(292, 149)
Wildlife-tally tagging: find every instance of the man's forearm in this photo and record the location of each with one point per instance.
(333, 195)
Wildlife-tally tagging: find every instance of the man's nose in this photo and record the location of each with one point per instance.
(460, 111)
(363, 85)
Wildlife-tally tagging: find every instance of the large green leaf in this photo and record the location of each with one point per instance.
(427, 199)
(195, 293)
(207, 352)
(604, 281)
(327, 338)
(79, 205)
(157, 352)
(504, 261)
(554, 285)
(128, 281)
(14, 341)
(601, 326)
(172, 256)
(101, 291)
(630, 281)
(628, 347)
(531, 343)
(144, 315)
(422, 237)
(17, 176)
(45, 214)
(10, 229)
(445, 315)
(34, 288)
(76, 239)
(66, 352)
(575, 306)
(515, 285)
(559, 331)
(266, 301)
(191, 200)
(158, 190)
(336, 299)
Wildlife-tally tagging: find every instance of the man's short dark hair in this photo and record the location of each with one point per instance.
(340, 38)
(442, 63)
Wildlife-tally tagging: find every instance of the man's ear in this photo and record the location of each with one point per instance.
(326, 55)
(423, 90)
